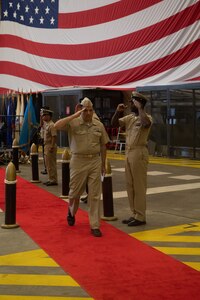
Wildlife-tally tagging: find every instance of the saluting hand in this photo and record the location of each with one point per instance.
(78, 107)
(121, 107)
(78, 113)
(137, 104)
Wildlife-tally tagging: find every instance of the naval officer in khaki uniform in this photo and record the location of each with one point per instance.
(50, 147)
(87, 141)
(137, 127)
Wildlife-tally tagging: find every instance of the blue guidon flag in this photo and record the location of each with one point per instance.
(51, 44)
(29, 127)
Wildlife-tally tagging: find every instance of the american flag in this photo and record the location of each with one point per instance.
(47, 44)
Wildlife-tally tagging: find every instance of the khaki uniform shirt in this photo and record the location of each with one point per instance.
(136, 135)
(42, 130)
(86, 138)
(49, 132)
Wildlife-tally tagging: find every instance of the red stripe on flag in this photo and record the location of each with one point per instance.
(103, 14)
(194, 79)
(109, 47)
(134, 74)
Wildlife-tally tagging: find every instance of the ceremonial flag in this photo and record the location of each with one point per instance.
(3, 122)
(29, 126)
(21, 120)
(2, 105)
(10, 121)
(17, 118)
(99, 43)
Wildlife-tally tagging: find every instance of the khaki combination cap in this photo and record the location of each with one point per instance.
(136, 95)
(44, 112)
(86, 102)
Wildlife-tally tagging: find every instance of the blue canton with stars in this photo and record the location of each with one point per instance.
(33, 13)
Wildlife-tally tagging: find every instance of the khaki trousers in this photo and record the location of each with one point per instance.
(51, 165)
(136, 164)
(86, 170)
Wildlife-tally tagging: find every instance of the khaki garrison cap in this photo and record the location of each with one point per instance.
(86, 102)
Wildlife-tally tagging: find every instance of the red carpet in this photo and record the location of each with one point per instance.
(113, 267)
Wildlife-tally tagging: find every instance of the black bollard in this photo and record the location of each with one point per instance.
(15, 147)
(108, 195)
(10, 197)
(65, 174)
(34, 163)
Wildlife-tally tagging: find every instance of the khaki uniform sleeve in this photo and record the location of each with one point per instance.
(53, 130)
(105, 137)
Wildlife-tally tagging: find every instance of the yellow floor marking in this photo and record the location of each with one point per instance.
(28, 258)
(29, 279)
(13, 297)
(188, 239)
(111, 155)
(180, 233)
(184, 162)
(179, 250)
(194, 265)
(170, 234)
(180, 162)
(176, 163)
(34, 258)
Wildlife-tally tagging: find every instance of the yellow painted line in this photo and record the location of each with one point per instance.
(34, 258)
(179, 162)
(175, 163)
(29, 279)
(170, 234)
(194, 265)
(28, 258)
(119, 156)
(180, 233)
(179, 250)
(13, 297)
(178, 239)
